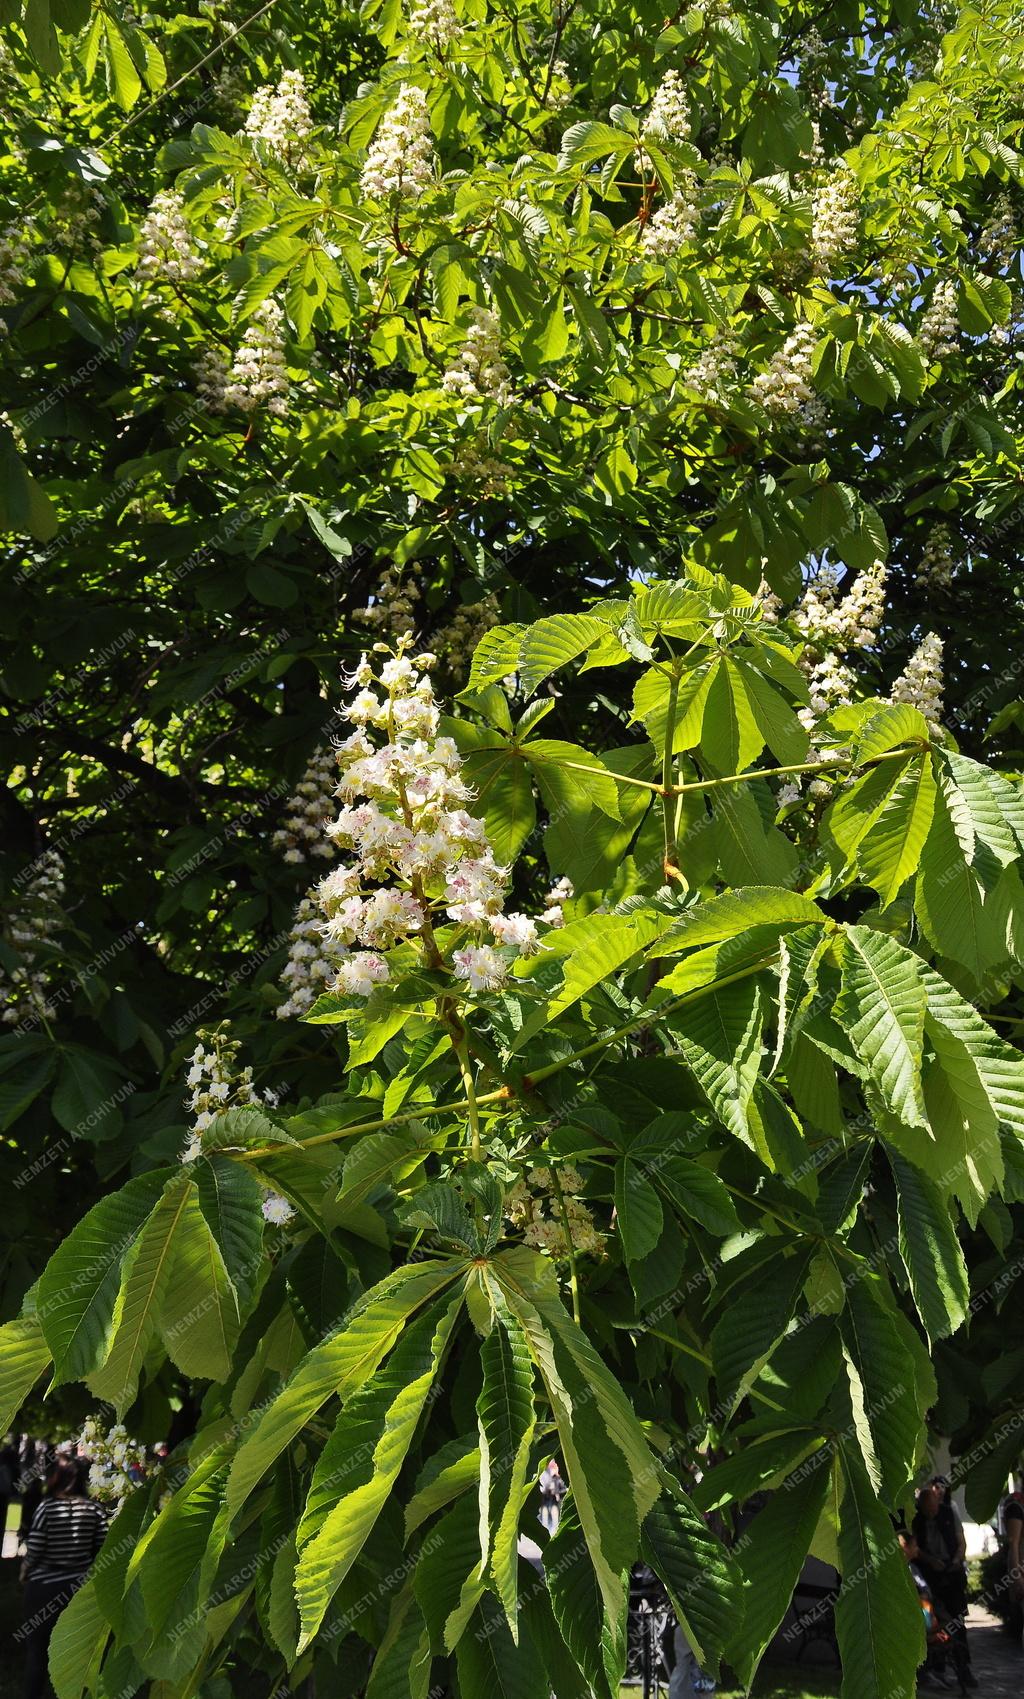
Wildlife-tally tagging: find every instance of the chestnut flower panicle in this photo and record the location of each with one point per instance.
(416, 857)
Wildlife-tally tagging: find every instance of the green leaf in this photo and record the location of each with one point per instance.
(735, 912)
(719, 1037)
(491, 1663)
(881, 1007)
(951, 900)
(756, 1318)
(79, 1286)
(755, 1467)
(496, 655)
(366, 1452)
(930, 1250)
(145, 1278)
(773, 1551)
(552, 643)
(697, 1572)
(894, 725)
(882, 1387)
(401, 1664)
(338, 1366)
(595, 947)
(374, 1159)
(231, 1201)
(123, 79)
(890, 850)
(638, 1213)
(451, 1472)
(507, 1423)
(878, 1614)
(696, 1194)
(199, 1317)
(79, 1637)
(594, 1642)
(24, 1354)
(610, 1467)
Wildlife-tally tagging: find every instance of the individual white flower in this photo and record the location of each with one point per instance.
(920, 682)
(400, 161)
(835, 220)
(309, 809)
(478, 372)
(939, 329)
(359, 973)
(785, 386)
(435, 21)
(277, 1210)
(515, 929)
(560, 892)
(259, 370)
(167, 247)
(280, 117)
(388, 916)
(481, 967)
(674, 225)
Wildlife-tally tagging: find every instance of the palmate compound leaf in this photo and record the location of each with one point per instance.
(338, 1366)
(770, 1554)
(507, 1422)
(881, 1007)
(611, 1469)
(77, 1292)
(930, 1250)
(360, 1463)
(878, 1614)
(697, 1571)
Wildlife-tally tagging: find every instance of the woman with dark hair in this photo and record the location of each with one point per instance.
(66, 1533)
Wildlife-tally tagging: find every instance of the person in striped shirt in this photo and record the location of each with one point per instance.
(67, 1532)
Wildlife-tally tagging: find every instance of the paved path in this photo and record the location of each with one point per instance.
(996, 1661)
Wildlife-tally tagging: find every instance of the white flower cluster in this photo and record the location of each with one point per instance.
(25, 987)
(435, 21)
(416, 855)
(920, 682)
(785, 386)
(277, 1210)
(393, 607)
(313, 961)
(768, 603)
(216, 1083)
(211, 370)
(401, 157)
(490, 476)
(938, 331)
(280, 116)
(852, 623)
(14, 256)
(835, 219)
(830, 685)
(1000, 239)
(166, 245)
(675, 223)
(533, 1205)
(309, 810)
(478, 372)
(117, 1463)
(560, 892)
(714, 372)
(456, 642)
(938, 562)
(668, 119)
(74, 216)
(259, 371)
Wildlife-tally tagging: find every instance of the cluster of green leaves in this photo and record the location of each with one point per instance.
(782, 1106)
